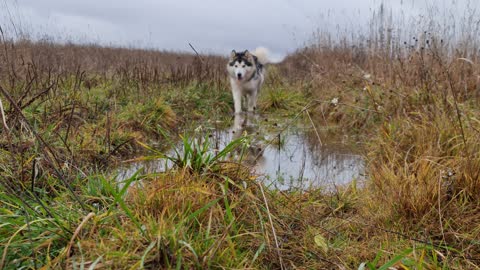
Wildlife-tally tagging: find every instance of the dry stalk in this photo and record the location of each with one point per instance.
(273, 228)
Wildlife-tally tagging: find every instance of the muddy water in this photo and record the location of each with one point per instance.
(285, 155)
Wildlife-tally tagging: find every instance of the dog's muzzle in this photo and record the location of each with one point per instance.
(239, 76)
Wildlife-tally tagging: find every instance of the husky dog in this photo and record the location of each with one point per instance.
(247, 74)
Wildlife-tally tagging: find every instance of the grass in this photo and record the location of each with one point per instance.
(414, 109)
(197, 155)
(223, 223)
(279, 95)
(73, 112)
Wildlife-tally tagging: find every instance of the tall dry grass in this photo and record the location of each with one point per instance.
(411, 91)
(48, 62)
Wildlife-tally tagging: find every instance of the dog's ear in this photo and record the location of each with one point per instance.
(249, 56)
(233, 53)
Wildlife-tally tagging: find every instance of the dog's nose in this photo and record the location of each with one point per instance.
(239, 75)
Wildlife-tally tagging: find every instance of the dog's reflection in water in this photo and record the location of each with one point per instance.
(246, 124)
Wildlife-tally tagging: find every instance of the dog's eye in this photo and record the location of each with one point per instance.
(243, 66)
(236, 65)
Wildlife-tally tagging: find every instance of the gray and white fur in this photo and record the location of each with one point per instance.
(247, 74)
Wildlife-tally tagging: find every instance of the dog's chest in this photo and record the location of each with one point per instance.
(247, 86)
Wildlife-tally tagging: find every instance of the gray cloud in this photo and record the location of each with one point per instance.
(213, 26)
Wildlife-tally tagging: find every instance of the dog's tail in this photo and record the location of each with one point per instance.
(262, 55)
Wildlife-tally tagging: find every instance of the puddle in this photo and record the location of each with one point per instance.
(284, 156)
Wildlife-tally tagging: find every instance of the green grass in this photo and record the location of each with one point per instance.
(196, 154)
(279, 95)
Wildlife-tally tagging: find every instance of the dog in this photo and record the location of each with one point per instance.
(246, 71)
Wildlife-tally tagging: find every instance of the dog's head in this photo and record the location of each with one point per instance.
(241, 65)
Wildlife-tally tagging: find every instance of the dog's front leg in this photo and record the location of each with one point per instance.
(237, 99)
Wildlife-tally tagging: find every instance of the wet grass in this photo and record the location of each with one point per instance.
(72, 112)
(63, 129)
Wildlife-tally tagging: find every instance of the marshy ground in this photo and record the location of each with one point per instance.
(404, 120)
(282, 152)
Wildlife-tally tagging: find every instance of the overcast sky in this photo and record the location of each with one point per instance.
(212, 26)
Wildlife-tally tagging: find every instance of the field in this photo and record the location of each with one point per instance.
(73, 113)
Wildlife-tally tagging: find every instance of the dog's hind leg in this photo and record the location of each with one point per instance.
(251, 101)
